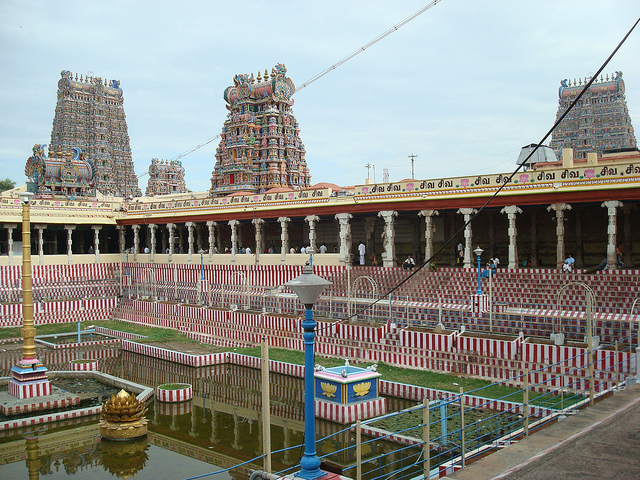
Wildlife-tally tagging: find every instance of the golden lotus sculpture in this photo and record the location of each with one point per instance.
(328, 389)
(123, 417)
(362, 389)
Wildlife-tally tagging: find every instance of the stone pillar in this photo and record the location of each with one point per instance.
(234, 239)
(136, 241)
(468, 236)
(211, 225)
(258, 224)
(428, 231)
(152, 236)
(612, 235)
(96, 242)
(312, 220)
(559, 208)
(284, 238)
(190, 226)
(345, 237)
(511, 211)
(69, 229)
(40, 229)
(388, 240)
(10, 228)
(172, 228)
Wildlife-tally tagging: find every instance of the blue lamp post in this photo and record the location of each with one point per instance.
(201, 252)
(478, 251)
(308, 288)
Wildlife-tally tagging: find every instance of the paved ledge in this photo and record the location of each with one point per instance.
(601, 442)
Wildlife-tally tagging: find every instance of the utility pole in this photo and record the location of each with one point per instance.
(368, 165)
(412, 156)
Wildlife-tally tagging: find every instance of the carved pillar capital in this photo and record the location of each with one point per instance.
(612, 233)
(234, 239)
(312, 220)
(559, 208)
(428, 231)
(345, 237)
(468, 235)
(511, 211)
(388, 240)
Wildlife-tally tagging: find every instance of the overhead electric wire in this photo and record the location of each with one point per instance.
(335, 65)
(586, 87)
(503, 185)
(367, 45)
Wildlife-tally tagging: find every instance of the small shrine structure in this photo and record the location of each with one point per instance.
(66, 173)
(345, 394)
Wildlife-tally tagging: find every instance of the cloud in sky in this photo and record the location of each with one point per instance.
(463, 86)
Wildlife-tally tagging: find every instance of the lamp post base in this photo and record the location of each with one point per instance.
(29, 380)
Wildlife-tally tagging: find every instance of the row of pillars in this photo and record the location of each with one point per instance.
(388, 255)
(345, 244)
(41, 228)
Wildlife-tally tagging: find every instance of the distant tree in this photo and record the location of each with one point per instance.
(6, 184)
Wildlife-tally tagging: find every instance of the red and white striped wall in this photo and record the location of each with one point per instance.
(182, 394)
(83, 366)
(35, 388)
(344, 414)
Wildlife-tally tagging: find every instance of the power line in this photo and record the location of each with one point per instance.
(503, 185)
(335, 65)
(367, 45)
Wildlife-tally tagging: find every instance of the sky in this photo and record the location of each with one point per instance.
(462, 87)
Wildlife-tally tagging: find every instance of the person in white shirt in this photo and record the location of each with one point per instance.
(323, 248)
(247, 250)
(409, 263)
(361, 251)
(303, 250)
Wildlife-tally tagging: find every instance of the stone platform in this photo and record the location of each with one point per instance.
(10, 405)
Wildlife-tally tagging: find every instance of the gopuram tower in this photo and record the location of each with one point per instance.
(166, 176)
(260, 146)
(600, 120)
(90, 116)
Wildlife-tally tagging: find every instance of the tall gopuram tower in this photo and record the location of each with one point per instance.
(260, 146)
(166, 176)
(90, 116)
(600, 120)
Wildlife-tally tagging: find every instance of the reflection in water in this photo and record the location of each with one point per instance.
(124, 460)
(220, 426)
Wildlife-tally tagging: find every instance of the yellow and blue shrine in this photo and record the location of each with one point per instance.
(347, 393)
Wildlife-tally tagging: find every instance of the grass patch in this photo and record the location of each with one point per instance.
(173, 386)
(440, 381)
(423, 378)
(153, 334)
